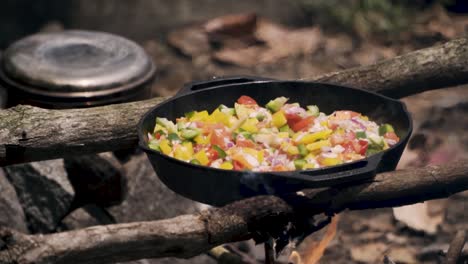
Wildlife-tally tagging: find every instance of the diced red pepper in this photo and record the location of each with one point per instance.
(246, 100)
(292, 118)
(237, 165)
(303, 124)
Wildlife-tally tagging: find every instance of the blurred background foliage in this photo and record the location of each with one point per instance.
(371, 17)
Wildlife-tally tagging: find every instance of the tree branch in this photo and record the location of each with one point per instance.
(30, 134)
(189, 235)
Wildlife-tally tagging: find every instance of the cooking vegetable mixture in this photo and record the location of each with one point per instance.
(281, 136)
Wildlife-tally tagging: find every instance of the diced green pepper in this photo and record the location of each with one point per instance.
(276, 104)
(246, 134)
(189, 133)
(299, 163)
(220, 151)
(361, 134)
(173, 137)
(313, 110)
(226, 110)
(286, 128)
(189, 114)
(171, 127)
(302, 150)
(260, 117)
(154, 146)
(385, 128)
(195, 161)
(180, 126)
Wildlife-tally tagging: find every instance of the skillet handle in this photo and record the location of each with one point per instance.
(217, 81)
(361, 170)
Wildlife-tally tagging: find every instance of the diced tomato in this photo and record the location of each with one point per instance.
(292, 118)
(343, 115)
(243, 142)
(218, 136)
(348, 146)
(280, 168)
(212, 154)
(303, 124)
(237, 165)
(392, 136)
(157, 135)
(332, 125)
(363, 144)
(246, 100)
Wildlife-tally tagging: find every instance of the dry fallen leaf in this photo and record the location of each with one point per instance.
(369, 253)
(419, 217)
(314, 250)
(402, 255)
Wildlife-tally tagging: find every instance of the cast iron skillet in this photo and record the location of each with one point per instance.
(218, 187)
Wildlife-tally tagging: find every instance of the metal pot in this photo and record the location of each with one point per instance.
(75, 68)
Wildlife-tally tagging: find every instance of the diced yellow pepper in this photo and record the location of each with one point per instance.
(324, 123)
(201, 157)
(310, 156)
(203, 140)
(220, 117)
(292, 150)
(250, 125)
(165, 147)
(308, 166)
(260, 156)
(188, 147)
(283, 134)
(200, 116)
(226, 166)
(330, 161)
(250, 151)
(309, 138)
(279, 119)
(182, 153)
(317, 145)
(365, 118)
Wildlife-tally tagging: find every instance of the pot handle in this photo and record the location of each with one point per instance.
(217, 81)
(361, 170)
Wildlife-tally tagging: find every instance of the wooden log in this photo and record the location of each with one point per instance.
(189, 235)
(30, 134)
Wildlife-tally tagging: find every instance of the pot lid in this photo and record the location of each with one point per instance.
(76, 62)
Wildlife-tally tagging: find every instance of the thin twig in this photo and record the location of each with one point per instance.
(456, 247)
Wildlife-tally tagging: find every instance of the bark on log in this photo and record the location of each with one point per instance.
(190, 235)
(30, 134)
